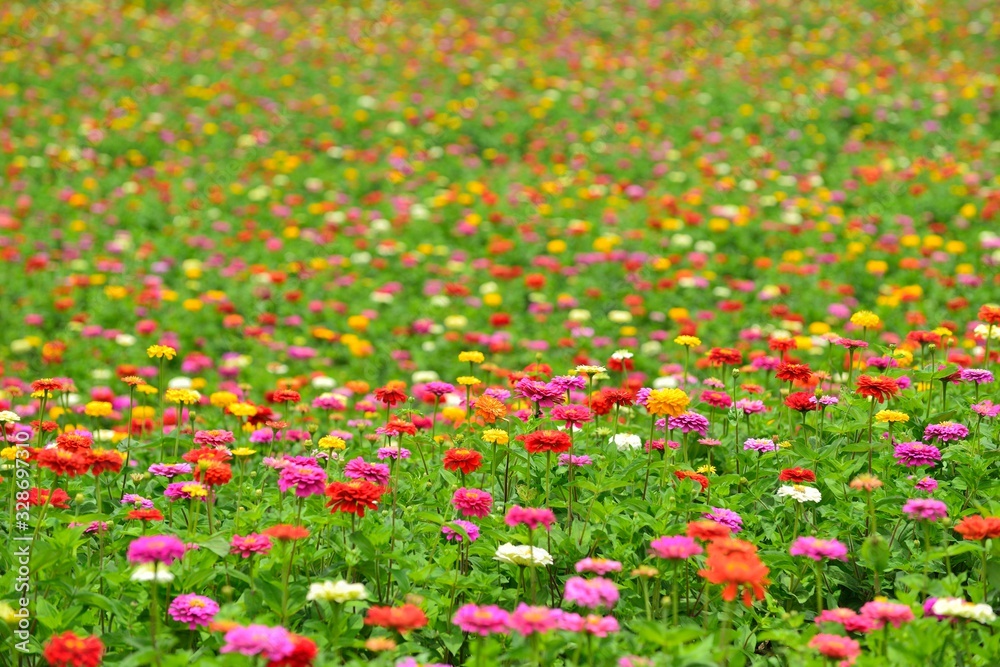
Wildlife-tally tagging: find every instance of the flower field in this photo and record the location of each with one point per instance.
(410, 334)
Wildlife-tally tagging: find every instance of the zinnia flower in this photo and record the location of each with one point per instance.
(354, 497)
(818, 549)
(71, 650)
(193, 609)
(482, 620)
(402, 619)
(677, 547)
(472, 502)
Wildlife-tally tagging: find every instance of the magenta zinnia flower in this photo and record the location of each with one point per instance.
(530, 620)
(472, 502)
(307, 480)
(689, 422)
(591, 593)
(452, 535)
(373, 472)
(271, 643)
(155, 549)
(485, 620)
(170, 470)
(913, 454)
(675, 547)
(925, 509)
(250, 544)
(887, 612)
(598, 566)
(725, 517)
(193, 609)
(532, 517)
(946, 432)
(818, 549)
(573, 415)
(216, 438)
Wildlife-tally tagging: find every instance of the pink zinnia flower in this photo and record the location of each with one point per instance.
(591, 593)
(485, 620)
(598, 566)
(836, 647)
(676, 547)
(600, 626)
(249, 545)
(216, 438)
(307, 480)
(530, 620)
(913, 454)
(452, 535)
(155, 549)
(887, 612)
(532, 517)
(472, 502)
(373, 472)
(817, 549)
(573, 415)
(925, 509)
(271, 643)
(193, 609)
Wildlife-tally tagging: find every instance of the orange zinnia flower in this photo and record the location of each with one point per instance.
(880, 388)
(724, 356)
(490, 409)
(735, 564)
(976, 527)
(707, 531)
(402, 619)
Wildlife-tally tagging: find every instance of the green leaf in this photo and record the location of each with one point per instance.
(875, 553)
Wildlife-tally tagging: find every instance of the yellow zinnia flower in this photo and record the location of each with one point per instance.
(161, 351)
(474, 357)
(669, 402)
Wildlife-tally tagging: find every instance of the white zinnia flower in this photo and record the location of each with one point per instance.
(958, 608)
(153, 572)
(590, 370)
(339, 591)
(522, 555)
(803, 494)
(626, 441)
(7, 416)
(621, 355)
(323, 382)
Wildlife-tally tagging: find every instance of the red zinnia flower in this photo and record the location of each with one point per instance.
(781, 344)
(72, 442)
(988, 314)
(801, 401)
(103, 460)
(619, 396)
(466, 460)
(395, 427)
(547, 441)
(50, 384)
(285, 532)
(303, 655)
(145, 515)
(797, 475)
(687, 474)
(286, 396)
(206, 454)
(402, 619)
(354, 497)
(390, 395)
(59, 498)
(71, 650)
(880, 388)
(976, 527)
(63, 463)
(794, 373)
(724, 356)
